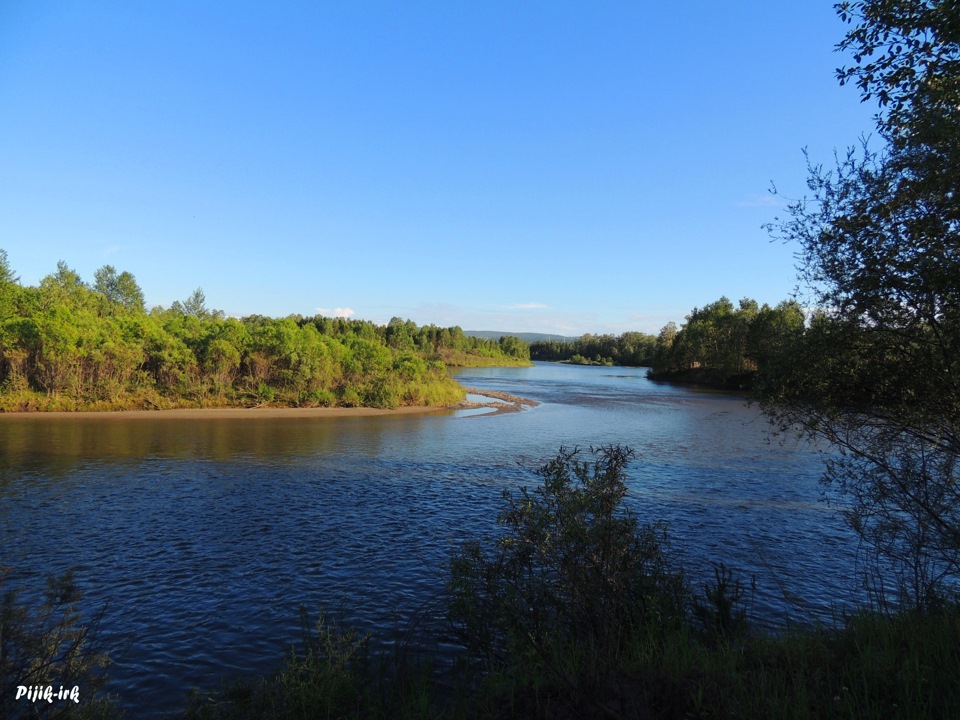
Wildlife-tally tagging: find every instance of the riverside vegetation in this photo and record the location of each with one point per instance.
(67, 345)
(718, 345)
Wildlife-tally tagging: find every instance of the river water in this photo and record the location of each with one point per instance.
(204, 537)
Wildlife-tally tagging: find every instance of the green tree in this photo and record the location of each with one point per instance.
(399, 334)
(119, 288)
(514, 347)
(773, 331)
(64, 287)
(196, 304)
(905, 54)
(878, 372)
(7, 276)
(664, 345)
(11, 358)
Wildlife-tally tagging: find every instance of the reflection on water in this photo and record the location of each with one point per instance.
(204, 537)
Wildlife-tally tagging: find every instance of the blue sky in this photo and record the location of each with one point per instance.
(560, 167)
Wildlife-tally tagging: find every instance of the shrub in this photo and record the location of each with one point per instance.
(321, 398)
(573, 585)
(47, 645)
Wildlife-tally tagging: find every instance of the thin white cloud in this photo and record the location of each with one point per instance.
(762, 201)
(336, 312)
(527, 306)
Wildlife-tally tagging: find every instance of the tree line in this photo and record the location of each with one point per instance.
(724, 345)
(67, 344)
(718, 344)
(634, 349)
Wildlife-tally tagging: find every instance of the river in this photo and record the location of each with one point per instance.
(203, 537)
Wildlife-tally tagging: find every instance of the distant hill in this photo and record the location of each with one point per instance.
(526, 337)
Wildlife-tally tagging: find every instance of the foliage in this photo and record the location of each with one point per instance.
(877, 373)
(723, 345)
(573, 581)
(332, 674)
(905, 54)
(47, 644)
(869, 666)
(630, 349)
(68, 345)
(720, 609)
(122, 288)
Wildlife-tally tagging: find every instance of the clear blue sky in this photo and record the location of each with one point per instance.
(561, 167)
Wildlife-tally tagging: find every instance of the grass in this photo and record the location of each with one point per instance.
(869, 666)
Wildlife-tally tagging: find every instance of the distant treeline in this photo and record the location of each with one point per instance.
(718, 344)
(631, 348)
(66, 344)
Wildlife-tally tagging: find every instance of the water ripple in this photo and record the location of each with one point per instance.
(204, 539)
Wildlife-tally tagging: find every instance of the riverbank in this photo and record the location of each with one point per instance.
(259, 413)
(872, 666)
(505, 402)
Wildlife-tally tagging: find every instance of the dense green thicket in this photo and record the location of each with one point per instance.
(68, 345)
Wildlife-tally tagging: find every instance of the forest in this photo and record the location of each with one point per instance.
(726, 346)
(69, 345)
(634, 349)
(719, 344)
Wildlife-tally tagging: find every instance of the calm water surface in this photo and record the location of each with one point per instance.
(204, 537)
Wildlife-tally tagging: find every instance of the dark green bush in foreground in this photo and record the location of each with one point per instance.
(561, 598)
(47, 644)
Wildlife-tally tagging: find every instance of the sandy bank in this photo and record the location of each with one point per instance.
(225, 413)
(500, 402)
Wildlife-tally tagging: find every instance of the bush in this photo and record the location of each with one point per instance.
(47, 645)
(574, 585)
(319, 398)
